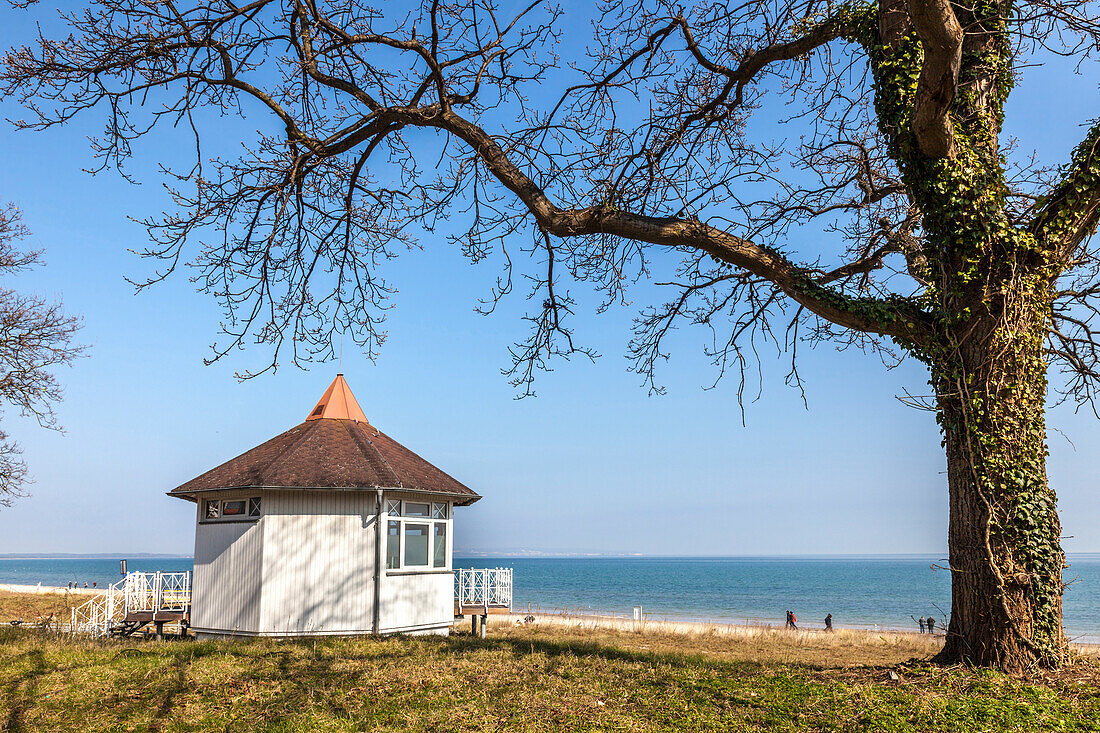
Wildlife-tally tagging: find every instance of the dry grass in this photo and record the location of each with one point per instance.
(33, 607)
(525, 679)
(540, 678)
(732, 642)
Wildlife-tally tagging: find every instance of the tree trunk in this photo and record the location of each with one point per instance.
(1004, 532)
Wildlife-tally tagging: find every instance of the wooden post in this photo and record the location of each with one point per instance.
(484, 619)
(160, 630)
(473, 624)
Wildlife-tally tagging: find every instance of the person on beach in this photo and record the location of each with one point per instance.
(793, 619)
(920, 622)
(829, 622)
(789, 623)
(931, 623)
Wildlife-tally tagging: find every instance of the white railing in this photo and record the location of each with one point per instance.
(483, 588)
(98, 615)
(137, 592)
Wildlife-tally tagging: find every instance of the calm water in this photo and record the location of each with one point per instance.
(60, 572)
(859, 592)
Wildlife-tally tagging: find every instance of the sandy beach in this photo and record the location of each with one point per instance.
(746, 631)
(48, 589)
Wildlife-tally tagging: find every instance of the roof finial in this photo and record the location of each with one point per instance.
(339, 403)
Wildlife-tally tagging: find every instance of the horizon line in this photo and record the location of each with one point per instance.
(529, 555)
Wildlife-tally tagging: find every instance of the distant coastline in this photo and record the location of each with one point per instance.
(532, 555)
(535, 555)
(93, 556)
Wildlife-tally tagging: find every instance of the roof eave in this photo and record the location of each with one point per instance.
(459, 499)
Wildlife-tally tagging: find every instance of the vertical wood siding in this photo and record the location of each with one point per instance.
(226, 583)
(418, 599)
(307, 567)
(318, 574)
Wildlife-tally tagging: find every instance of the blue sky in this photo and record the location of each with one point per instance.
(593, 464)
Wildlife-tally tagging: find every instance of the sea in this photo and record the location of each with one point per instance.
(887, 592)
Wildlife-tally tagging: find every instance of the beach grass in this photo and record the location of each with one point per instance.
(36, 607)
(542, 677)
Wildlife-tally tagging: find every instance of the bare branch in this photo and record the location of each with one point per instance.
(35, 337)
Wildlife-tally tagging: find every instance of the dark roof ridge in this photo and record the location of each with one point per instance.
(377, 453)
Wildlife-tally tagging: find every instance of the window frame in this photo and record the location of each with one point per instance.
(245, 516)
(401, 520)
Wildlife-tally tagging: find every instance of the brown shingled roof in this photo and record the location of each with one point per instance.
(330, 453)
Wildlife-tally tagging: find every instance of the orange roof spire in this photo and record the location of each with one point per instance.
(338, 402)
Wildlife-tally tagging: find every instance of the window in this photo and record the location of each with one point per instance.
(415, 510)
(439, 556)
(416, 545)
(416, 535)
(393, 546)
(230, 510)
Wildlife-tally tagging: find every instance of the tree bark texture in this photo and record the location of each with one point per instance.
(1004, 531)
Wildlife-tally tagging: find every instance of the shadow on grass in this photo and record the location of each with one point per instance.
(579, 648)
(21, 691)
(178, 685)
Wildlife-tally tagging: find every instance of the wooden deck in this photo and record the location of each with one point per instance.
(149, 617)
(479, 610)
(139, 599)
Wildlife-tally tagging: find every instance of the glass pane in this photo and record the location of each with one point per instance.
(439, 558)
(212, 510)
(254, 506)
(439, 510)
(233, 508)
(415, 510)
(416, 545)
(393, 507)
(393, 546)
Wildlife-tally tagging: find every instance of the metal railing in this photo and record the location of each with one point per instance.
(483, 587)
(137, 592)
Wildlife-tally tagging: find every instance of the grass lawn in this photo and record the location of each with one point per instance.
(538, 678)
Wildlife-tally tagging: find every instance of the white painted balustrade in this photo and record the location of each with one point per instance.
(483, 588)
(137, 592)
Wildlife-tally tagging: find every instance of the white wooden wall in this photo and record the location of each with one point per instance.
(318, 562)
(225, 589)
(414, 601)
(306, 567)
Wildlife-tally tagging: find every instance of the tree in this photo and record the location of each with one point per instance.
(35, 337)
(925, 241)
